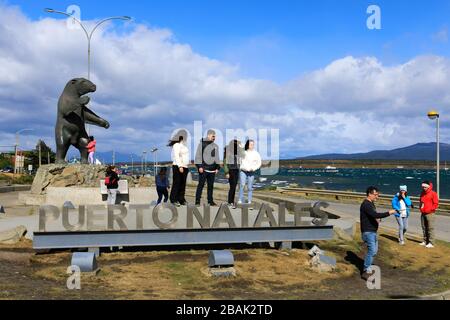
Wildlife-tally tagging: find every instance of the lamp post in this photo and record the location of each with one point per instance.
(88, 34)
(16, 147)
(155, 163)
(132, 165)
(434, 115)
(144, 156)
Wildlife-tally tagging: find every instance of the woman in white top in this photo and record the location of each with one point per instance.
(180, 167)
(249, 165)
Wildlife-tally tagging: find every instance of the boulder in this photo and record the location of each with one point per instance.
(12, 236)
(70, 175)
(322, 263)
(315, 251)
(222, 272)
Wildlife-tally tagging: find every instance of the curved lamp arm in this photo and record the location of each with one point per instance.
(70, 16)
(107, 19)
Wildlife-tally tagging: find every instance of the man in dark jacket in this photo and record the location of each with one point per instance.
(207, 162)
(369, 228)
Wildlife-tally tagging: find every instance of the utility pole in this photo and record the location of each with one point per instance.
(40, 153)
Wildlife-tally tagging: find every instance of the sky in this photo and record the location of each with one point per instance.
(311, 69)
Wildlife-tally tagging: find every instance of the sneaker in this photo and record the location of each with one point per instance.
(366, 274)
(423, 244)
(234, 206)
(197, 204)
(212, 204)
(430, 245)
(183, 203)
(239, 202)
(177, 204)
(402, 243)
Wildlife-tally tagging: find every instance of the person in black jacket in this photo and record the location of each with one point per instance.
(232, 158)
(207, 162)
(112, 184)
(369, 228)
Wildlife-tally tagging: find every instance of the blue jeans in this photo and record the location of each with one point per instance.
(402, 227)
(246, 178)
(371, 240)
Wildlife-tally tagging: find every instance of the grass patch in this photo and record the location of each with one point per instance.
(261, 274)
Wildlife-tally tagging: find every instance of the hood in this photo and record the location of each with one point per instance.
(429, 189)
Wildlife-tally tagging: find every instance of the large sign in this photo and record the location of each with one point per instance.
(166, 216)
(144, 225)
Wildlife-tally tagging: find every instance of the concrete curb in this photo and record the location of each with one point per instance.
(438, 296)
(14, 188)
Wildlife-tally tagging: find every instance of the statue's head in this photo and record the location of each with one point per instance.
(82, 86)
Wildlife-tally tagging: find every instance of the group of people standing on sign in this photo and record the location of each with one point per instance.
(401, 209)
(240, 164)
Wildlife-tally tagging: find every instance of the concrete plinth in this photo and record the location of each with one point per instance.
(86, 196)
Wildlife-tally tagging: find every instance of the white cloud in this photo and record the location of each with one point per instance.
(149, 84)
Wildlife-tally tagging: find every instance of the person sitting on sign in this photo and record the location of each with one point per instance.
(112, 184)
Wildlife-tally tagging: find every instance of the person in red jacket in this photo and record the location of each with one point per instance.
(429, 202)
(91, 149)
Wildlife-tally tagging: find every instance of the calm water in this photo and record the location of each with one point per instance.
(357, 180)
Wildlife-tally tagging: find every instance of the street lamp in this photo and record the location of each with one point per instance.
(88, 34)
(434, 115)
(155, 164)
(144, 162)
(132, 165)
(16, 147)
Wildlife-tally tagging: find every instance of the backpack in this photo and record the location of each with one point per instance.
(109, 181)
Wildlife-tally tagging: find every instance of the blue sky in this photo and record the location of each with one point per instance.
(311, 69)
(281, 39)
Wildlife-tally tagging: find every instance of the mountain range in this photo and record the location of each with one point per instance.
(419, 151)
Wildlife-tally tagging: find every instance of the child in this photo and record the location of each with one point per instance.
(112, 184)
(402, 204)
(91, 149)
(162, 185)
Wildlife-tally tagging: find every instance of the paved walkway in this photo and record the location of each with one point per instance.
(442, 223)
(27, 216)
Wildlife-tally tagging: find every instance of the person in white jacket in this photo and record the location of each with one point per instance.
(249, 165)
(180, 167)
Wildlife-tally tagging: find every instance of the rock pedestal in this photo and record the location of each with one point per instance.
(70, 175)
(64, 175)
(80, 183)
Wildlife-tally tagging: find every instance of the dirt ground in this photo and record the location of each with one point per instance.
(262, 273)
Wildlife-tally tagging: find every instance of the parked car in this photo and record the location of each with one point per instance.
(7, 170)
